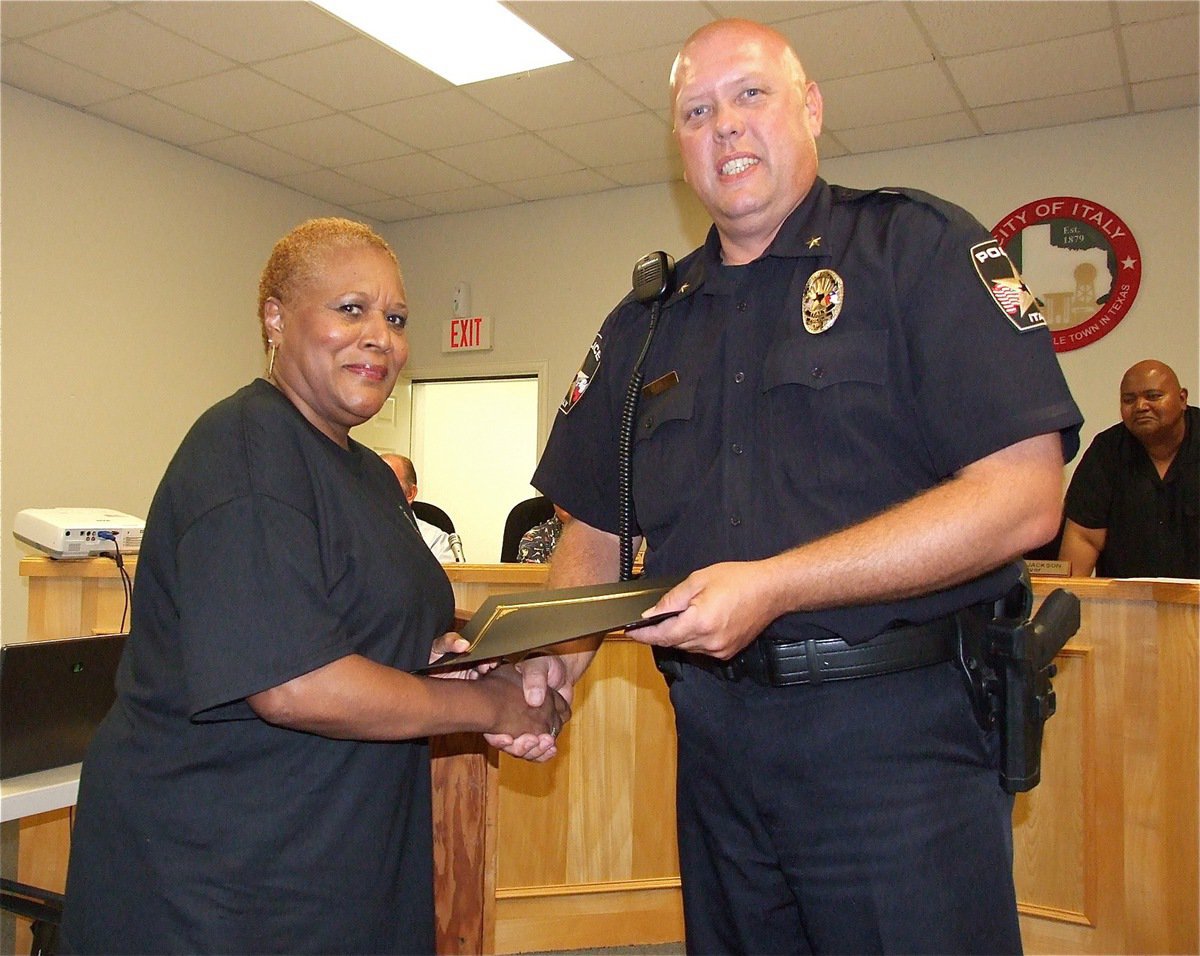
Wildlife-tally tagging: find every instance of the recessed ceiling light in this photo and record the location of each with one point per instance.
(464, 41)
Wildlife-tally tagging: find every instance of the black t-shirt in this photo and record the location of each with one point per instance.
(1152, 523)
(269, 551)
(755, 433)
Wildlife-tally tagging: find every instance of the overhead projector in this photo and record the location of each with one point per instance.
(78, 532)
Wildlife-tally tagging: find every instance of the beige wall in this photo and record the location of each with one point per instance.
(129, 271)
(129, 274)
(549, 272)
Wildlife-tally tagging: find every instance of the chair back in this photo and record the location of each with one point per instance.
(523, 516)
(434, 515)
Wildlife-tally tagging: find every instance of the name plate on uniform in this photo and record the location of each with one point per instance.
(510, 624)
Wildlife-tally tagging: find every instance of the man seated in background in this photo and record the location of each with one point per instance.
(1131, 508)
(538, 542)
(437, 539)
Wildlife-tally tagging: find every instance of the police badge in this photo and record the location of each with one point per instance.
(824, 294)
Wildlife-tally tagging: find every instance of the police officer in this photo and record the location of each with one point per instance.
(853, 421)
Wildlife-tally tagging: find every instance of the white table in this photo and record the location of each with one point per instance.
(39, 792)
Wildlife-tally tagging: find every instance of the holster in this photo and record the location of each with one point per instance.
(1008, 663)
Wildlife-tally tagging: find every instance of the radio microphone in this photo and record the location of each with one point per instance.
(456, 548)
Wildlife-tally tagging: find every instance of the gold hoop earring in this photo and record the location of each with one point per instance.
(271, 360)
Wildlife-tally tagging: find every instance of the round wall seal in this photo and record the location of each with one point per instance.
(1081, 261)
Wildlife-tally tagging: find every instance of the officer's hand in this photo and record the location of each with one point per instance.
(720, 609)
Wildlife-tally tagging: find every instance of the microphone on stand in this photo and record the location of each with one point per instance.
(456, 547)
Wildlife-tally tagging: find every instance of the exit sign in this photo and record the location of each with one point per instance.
(470, 334)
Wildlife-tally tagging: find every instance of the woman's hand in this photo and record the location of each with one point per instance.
(452, 643)
(526, 731)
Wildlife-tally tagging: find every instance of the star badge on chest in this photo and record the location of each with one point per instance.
(824, 295)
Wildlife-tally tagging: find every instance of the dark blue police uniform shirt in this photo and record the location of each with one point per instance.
(774, 435)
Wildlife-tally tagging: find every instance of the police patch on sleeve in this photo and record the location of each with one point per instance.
(583, 378)
(1006, 287)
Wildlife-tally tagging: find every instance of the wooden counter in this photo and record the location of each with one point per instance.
(581, 852)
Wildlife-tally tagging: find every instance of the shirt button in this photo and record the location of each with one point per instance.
(740, 377)
(737, 449)
(735, 521)
(649, 422)
(818, 372)
(742, 307)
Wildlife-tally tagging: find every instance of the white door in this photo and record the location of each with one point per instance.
(473, 442)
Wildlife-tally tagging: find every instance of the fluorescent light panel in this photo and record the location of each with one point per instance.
(464, 41)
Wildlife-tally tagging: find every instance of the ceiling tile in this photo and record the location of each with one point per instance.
(129, 50)
(587, 28)
(962, 27)
(1132, 11)
(440, 119)
(643, 74)
(1158, 49)
(663, 169)
(247, 30)
(830, 147)
(336, 140)
(36, 72)
(1073, 65)
(253, 156)
(464, 200)
(391, 210)
(353, 74)
(505, 160)
(332, 187)
(1053, 111)
(575, 183)
(885, 37)
(1169, 94)
(145, 114)
(242, 100)
(553, 96)
(888, 97)
(774, 11)
(405, 176)
(610, 142)
(913, 132)
(19, 18)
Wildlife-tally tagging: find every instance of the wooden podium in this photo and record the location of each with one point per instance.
(580, 852)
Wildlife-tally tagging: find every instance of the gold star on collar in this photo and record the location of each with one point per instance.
(814, 242)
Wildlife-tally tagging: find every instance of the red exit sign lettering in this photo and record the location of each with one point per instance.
(468, 334)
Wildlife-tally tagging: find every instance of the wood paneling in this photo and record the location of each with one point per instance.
(580, 852)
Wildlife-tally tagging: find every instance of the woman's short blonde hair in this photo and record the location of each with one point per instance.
(299, 255)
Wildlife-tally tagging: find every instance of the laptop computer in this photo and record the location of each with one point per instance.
(53, 695)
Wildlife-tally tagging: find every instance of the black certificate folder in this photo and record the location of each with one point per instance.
(510, 624)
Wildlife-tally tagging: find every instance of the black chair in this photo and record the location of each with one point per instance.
(523, 516)
(434, 515)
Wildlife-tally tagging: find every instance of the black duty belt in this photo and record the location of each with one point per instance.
(777, 663)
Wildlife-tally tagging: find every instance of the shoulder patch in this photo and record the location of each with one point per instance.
(1006, 287)
(583, 378)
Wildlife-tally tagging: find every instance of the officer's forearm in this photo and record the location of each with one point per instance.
(583, 555)
(991, 512)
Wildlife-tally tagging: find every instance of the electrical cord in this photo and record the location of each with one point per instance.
(625, 452)
(126, 581)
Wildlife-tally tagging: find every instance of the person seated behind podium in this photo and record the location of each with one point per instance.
(262, 783)
(537, 544)
(435, 538)
(1133, 502)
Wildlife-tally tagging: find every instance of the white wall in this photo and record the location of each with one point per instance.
(549, 272)
(130, 282)
(130, 271)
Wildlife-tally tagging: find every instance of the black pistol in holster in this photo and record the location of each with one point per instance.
(1009, 662)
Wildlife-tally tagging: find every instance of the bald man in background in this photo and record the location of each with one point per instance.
(435, 538)
(1133, 503)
